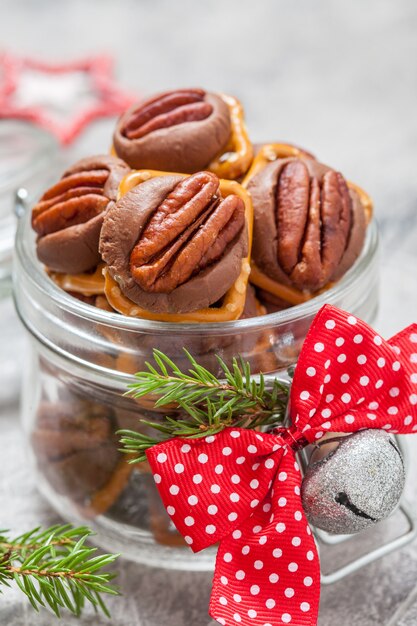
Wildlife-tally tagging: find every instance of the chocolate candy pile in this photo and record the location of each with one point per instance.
(183, 223)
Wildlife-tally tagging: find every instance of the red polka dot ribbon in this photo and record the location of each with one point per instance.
(242, 488)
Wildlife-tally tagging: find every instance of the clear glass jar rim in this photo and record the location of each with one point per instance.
(67, 303)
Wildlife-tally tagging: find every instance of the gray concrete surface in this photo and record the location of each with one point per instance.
(339, 78)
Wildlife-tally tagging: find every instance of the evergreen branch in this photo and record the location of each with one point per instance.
(206, 404)
(55, 568)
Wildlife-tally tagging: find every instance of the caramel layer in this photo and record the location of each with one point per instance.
(85, 284)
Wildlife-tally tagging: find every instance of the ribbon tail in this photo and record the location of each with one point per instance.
(267, 571)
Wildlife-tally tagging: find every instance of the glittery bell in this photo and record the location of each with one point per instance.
(352, 482)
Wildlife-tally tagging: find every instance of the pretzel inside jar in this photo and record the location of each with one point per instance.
(177, 247)
(309, 224)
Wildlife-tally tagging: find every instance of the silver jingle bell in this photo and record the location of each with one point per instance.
(353, 484)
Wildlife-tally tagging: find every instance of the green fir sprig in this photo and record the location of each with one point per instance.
(53, 567)
(201, 403)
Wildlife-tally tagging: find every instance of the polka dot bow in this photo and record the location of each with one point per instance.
(242, 488)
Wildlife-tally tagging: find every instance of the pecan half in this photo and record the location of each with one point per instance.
(188, 231)
(176, 131)
(68, 217)
(308, 223)
(168, 109)
(75, 199)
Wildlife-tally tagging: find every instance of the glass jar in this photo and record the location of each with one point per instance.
(82, 360)
(26, 155)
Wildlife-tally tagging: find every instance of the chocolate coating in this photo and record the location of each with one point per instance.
(187, 147)
(122, 227)
(74, 249)
(263, 189)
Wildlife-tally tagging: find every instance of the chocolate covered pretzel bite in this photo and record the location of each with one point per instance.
(176, 245)
(185, 130)
(69, 216)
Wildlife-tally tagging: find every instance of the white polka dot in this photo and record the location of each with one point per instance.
(371, 416)
(308, 581)
(387, 427)
(296, 541)
(227, 451)
(157, 478)
(254, 484)
(218, 469)
(258, 565)
(292, 567)
(252, 613)
(319, 435)
(235, 479)
(235, 434)
(396, 366)
(413, 337)
(413, 357)
(255, 466)
(304, 395)
(413, 398)
(330, 324)
(413, 378)
(232, 517)
(234, 497)
(221, 621)
(298, 516)
(358, 339)
(273, 578)
(188, 540)
(346, 398)
(202, 458)
(237, 617)
(381, 361)
(345, 378)
(210, 439)
(193, 500)
(277, 553)
(379, 383)
(310, 555)
(185, 448)
(245, 550)
(327, 379)
(377, 340)
(311, 371)
(341, 358)
(280, 527)
(224, 580)
(361, 359)
(326, 413)
(326, 425)
(237, 598)
(197, 479)
(227, 557)
(255, 590)
(351, 320)
(289, 592)
(270, 604)
(223, 600)
(364, 381)
(171, 510)
(282, 476)
(237, 534)
(312, 412)
(212, 509)
(263, 540)
(240, 460)
(392, 410)
(252, 449)
(327, 364)
(373, 405)
(319, 347)
(210, 529)
(282, 501)
(286, 618)
(266, 507)
(174, 490)
(304, 606)
(254, 503)
(408, 420)
(179, 468)
(269, 463)
(339, 342)
(215, 488)
(329, 398)
(256, 529)
(189, 521)
(162, 457)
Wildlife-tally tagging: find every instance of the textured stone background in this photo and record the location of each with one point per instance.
(339, 78)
